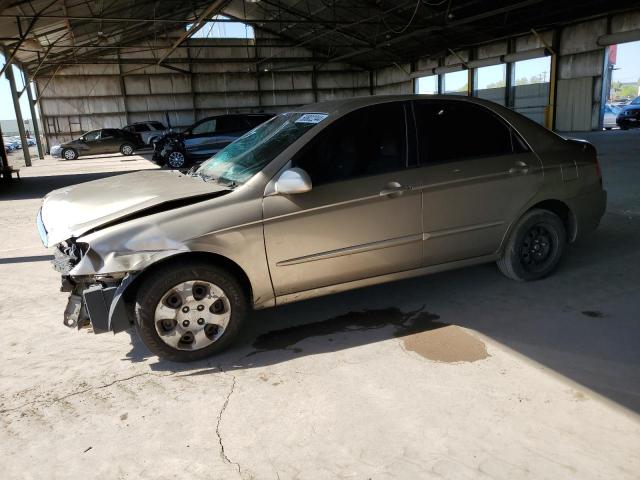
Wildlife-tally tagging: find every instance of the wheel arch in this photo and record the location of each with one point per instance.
(563, 211)
(204, 257)
(556, 206)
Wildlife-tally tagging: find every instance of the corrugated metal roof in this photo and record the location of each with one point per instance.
(365, 33)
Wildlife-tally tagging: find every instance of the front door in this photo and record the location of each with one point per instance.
(362, 217)
(477, 174)
(91, 142)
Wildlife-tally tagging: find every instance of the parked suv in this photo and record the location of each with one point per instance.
(629, 117)
(107, 140)
(203, 139)
(149, 132)
(323, 199)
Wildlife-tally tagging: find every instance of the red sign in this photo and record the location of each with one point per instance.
(613, 54)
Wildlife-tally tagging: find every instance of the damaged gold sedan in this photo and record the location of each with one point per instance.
(327, 198)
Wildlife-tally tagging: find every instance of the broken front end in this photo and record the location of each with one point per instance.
(94, 300)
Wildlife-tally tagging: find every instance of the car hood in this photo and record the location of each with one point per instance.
(630, 107)
(73, 211)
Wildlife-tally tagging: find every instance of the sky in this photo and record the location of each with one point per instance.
(6, 104)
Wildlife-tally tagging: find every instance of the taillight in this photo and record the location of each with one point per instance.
(598, 171)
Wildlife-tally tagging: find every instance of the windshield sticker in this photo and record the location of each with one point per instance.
(312, 118)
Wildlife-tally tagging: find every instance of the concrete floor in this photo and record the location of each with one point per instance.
(459, 375)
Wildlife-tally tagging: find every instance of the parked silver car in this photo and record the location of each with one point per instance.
(326, 198)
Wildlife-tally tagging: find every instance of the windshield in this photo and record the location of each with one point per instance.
(249, 154)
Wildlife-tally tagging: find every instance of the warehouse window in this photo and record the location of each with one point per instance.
(455, 83)
(222, 27)
(530, 72)
(427, 85)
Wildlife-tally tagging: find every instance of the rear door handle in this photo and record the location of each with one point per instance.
(394, 189)
(519, 168)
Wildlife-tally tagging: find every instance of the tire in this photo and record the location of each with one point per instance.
(535, 246)
(69, 154)
(624, 127)
(607, 128)
(176, 160)
(127, 149)
(156, 298)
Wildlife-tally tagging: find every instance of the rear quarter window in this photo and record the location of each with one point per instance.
(451, 131)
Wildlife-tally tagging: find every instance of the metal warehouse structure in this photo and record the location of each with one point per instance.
(105, 63)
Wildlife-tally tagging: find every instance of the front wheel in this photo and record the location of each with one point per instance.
(69, 154)
(534, 247)
(127, 149)
(190, 311)
(176, 160)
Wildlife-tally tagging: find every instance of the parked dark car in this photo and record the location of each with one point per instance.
(629, 117)
(204, 139)
(106, 140)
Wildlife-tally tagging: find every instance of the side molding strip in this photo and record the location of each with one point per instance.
(340, 252)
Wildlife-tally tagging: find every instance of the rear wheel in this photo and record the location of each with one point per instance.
(127, 149)
(190, 311)
(69, 154)
(534, 247)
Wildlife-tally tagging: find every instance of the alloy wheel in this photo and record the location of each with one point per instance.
(192, 315)
(176, 160)
(537, 248)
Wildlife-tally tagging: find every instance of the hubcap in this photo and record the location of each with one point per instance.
(536, 249)
(69, 155)
(127, 150)
(176, 159)
(192, 315)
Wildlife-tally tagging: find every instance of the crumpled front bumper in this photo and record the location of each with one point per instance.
(101, 306)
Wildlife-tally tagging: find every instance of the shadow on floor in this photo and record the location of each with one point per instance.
(580, 322)
(37, 187)
(33, 258)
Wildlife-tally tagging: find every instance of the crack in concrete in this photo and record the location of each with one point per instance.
(223, 454)
(73, 394)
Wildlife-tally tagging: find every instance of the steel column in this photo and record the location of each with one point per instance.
(34, 119)
(16, 106)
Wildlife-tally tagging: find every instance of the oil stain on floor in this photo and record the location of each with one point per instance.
(421, 332)
(448, 344)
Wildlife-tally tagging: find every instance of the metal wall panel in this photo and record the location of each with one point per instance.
(574, 106)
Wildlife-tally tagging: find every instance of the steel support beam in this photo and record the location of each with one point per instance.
(34, 119)
(16, 106)
(214, 8)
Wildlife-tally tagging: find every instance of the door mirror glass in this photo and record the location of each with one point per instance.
(293, 181)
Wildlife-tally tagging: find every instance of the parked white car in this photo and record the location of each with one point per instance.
(147, 131)
(610, 114)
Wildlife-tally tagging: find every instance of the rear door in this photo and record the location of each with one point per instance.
(362, 217)
(110, 140)
(477, 175)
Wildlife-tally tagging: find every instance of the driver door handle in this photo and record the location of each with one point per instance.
(394, 189)
(519, 167)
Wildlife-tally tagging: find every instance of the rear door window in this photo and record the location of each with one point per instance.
(449, 131)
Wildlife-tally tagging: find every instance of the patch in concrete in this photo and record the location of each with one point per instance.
(404, 323)
(593, 313)
(448, 344)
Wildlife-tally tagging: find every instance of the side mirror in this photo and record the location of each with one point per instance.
(292, 181)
